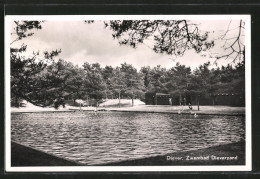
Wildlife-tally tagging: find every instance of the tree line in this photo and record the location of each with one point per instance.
(46, 84)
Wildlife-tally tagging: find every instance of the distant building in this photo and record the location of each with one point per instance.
(157, 99)
(224, 99)
(205, 99)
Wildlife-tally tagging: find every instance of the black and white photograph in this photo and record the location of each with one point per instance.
(128, 93)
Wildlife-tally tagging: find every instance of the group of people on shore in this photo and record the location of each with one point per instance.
(183, 103)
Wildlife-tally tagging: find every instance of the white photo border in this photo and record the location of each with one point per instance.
(248, 118)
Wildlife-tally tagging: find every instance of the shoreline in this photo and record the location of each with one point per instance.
(205, 110)
(22, 155)
(184, 113)
(27, 156)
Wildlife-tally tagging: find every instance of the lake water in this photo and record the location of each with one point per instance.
(115, 136)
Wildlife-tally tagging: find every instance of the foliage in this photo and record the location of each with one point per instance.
(44, 82)
(26, 72)
(94, 83)
(175, 37)
(179, 79)
(172, 37)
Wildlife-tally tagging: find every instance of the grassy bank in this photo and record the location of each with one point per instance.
(26, 156)
(213, 110)
(201, 156)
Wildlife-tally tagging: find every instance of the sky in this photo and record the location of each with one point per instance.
(81, 42)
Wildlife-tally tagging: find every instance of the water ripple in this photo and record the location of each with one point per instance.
(111, 137)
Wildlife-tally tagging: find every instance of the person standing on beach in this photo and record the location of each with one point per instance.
(170, 101)
(190, 107)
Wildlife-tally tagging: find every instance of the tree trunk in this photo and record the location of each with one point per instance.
(16, 102)
(213, 101)
(119, 99)
(133, 99)
(198, 101)
(180, 100)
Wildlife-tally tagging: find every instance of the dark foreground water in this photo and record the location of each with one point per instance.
(114, 136)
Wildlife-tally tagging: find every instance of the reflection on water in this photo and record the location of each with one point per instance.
(114, 136)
